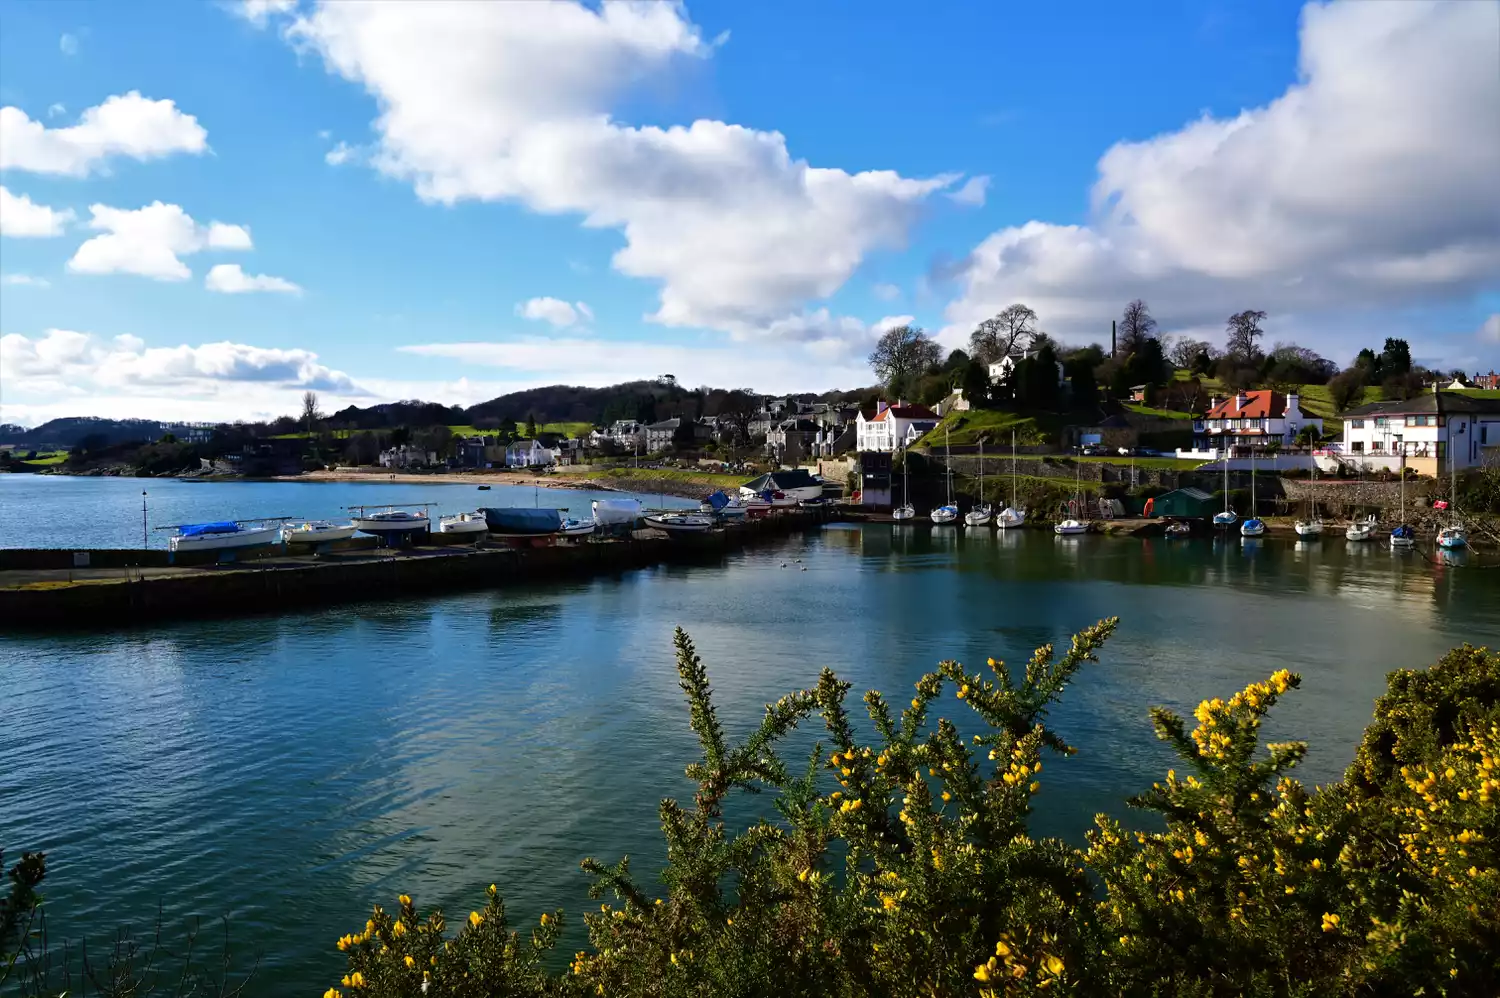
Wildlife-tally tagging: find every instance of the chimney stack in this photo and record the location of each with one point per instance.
(1111, 337)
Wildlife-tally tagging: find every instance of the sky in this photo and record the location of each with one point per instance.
(207, 209)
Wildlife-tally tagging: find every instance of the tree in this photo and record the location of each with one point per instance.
(1243, 329)
(901, 356)
(740, 406)
(310, 413)
(1395, 359)
(668, 381)
(531, 425)
(1003, 334)
(1346, 388)
(1034, 381)
(1184, 352)
(976, 384)
(957, 361)
(1136, 326)
(1079, 370)
(1291, 364)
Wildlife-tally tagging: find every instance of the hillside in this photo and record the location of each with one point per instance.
(69, 431)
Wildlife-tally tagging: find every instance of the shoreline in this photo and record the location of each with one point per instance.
(453, 478)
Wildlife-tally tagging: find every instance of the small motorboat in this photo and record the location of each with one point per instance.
(1011, 517)
(980, 516)
(1361, 530)
(903, 513)
(1179, 528)
(222, 536)
(464, 523)
(574, 527)
(484, 488)
(392, 521)
(1403, 537)
(1070, 528)
(681, 523)
(721, 504)
(319, 532)
(944, 516)
(1226, 519)
(1307, 529)
(1453, 538)
(1253, 527)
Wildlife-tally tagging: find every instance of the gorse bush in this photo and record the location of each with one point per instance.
(916, 874)
(902, 865)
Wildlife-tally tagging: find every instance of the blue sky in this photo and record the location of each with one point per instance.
(1208, 157)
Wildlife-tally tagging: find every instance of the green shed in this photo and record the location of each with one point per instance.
(1186, 503)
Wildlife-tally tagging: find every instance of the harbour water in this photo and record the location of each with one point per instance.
(286, 772)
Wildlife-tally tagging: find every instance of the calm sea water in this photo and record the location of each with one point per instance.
(288, 772)
(60, 511)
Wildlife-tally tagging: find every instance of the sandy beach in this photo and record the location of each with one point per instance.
(455, 477)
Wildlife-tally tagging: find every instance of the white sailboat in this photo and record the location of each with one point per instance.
(391, 520)
(319, 532)
(1013, 515)
(1229, 517)
(1453, 537)
(1313, 525)
(905, 511)
(1361, 530)
(947, 514)
(1253, 526)
(1070, 527)
(222, 536)
(981, 515)
(464, 523)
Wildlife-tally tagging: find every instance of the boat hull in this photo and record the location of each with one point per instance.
(1309, 530)
(1070, 528)
(456, 525)
(690, 524)
(325, 535)
(903, 513)
(226, 541)
(979, 518)
(1452, 540)
(372, 526)
(944, 516)
(1252, 528)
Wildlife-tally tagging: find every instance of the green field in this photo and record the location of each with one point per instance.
(1146, 410)
(963, 429)
(46, 459)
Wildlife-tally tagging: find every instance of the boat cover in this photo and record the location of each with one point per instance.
(718, 500)
(198, 529)
(1403, 531)
(520, 520)
(616, 512)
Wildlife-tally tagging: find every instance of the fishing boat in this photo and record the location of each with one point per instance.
(947, 513)
(1361, 530)
(464, 523)
(905, 511)
(391, 520)
(721, 505)
(681, 523)
(984, 513)
(222, 536)
(1229, 517)
(1013, 515)
(319, 532)
(1253, 526)
(1179, 528)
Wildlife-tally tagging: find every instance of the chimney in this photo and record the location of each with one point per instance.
(1291, 401)
(1239, 401)
(880, 407)
(1111, 337)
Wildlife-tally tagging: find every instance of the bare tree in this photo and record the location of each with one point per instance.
(1136, 326)
(310, 413)
(1184, 351)
(998, 336)
(1243, 329)
(901, 355)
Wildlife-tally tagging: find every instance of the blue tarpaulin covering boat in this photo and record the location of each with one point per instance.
(518, 520)
(718, 500)
(199, 529)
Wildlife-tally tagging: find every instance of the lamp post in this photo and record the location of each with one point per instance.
(143, 520)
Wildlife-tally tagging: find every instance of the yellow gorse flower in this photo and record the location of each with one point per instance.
(475, 918)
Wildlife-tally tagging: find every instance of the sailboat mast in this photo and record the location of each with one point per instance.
(1012, 469)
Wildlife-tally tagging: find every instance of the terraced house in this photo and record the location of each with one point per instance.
(1258, 419)
(1431, 433)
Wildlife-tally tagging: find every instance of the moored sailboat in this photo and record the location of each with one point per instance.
(1253, 526)
(982, 514)
(1013, 515)
(946, 514)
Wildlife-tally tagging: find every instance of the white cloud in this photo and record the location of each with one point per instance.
(124, 125)
(972, 193)
(64, 372)
(342, 153)
(230, 279)
(22, 217)
(259, 12)
(149, 241)
(1490, 330)
(511, 102)
(68, 44)
(25, 280)
(55, 109)
(553, 310)
(1357, 189)
(886, 292)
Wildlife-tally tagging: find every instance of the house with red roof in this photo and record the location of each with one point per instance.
(1257, 419)
(892, 427)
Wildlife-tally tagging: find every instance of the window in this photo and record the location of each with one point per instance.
(1358, 424)
(1484, 435)
(1382, 421)
(1359, 447)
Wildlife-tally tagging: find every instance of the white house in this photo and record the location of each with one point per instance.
(1000, 370)
(1253, 419)
(1430, 433)
(528, 454)
(406, 456)
(893, 427)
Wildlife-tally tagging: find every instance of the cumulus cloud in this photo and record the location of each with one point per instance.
(230, 279)
(150, 241)
(62, 360)
(130, 125)
(260, 12)
(1490, 330)
(68, 44)
(25, 280)
(553, 310)
(341, 153)
(972, 193)
(23, 218)
(56, 109)
(512, 102)
(1358, 188)
(886, 292)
